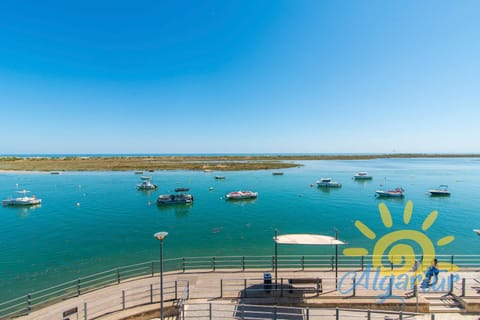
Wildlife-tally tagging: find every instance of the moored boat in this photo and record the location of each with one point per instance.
(393, 193)
(442, 190)
(182, 189)
(477, 231)
(328, 183)
(241, 195)
(220, 177)
(22, 201)
(146, 184)
(182, 198)
(277, 173)
(362, 175)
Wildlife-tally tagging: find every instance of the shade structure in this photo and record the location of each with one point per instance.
(307, 239)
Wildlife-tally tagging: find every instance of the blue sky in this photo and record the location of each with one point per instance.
(239, 76)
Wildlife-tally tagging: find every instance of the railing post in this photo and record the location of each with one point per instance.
(401, 315)
(332, 262)
(221, 288)
(281, 287)
(273, 263)
(151, 293)
(243, 263)
(153, 268)
(337, 313)
(245, 287)
(369, 314)
(78, 286)
(354, 286)
(118, 276)
(85, 317)
(188, 290)
(213, 263)
(362, 261)
(450, 289)
(210, 311)
(275, 312)
(463, 287)
(303, 263)
(176, 290)
(123, 299)
(307, 311)
(29, 303)
(451, 262)
(390, 286)
(183, 264)
(433, 317)
(391, 265)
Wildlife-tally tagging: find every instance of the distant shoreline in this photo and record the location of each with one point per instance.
(186, 162)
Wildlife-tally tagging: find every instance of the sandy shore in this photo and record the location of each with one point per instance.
(197, 163)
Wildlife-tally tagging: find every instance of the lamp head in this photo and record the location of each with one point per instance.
(161, 235)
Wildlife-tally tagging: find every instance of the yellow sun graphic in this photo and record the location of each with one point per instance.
(401, 253)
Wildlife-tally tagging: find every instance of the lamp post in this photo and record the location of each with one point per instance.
(161, 236)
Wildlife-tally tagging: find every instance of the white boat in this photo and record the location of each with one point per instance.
(182, 198)
(146, 184)
(442, 190)
(362, 175)
(394, 193)
(328, 183)
(22, 201)
(241, 195)
(477, 231)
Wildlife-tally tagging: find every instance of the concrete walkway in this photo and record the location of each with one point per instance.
(228, 288)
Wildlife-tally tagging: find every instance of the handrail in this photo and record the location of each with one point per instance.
(26, 303)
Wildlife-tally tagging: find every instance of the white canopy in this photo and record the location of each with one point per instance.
(307, 239)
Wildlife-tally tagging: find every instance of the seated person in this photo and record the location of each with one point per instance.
(431, 272)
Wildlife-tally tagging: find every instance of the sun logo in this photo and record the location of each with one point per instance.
(401, 253)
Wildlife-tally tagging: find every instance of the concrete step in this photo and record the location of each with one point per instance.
(445, 309)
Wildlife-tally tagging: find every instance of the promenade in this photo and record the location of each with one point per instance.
(224, 294)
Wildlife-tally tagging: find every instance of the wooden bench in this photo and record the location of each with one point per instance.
(316, 281)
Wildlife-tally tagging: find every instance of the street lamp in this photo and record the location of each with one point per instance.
(161, 236)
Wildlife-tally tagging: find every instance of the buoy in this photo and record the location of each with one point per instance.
(78, 204)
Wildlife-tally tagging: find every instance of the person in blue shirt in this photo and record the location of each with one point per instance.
(431, 272)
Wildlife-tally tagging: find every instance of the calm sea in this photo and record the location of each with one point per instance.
(94, 221)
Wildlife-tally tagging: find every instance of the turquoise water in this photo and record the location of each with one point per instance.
(114, 223)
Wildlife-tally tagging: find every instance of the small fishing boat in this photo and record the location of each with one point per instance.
(55, 172)
(182, 198)
(442, 190)
(182, 189)
(241, 195)
(146, 184)
(277, 173)
(477, 231)
(395, 193)
(22, 201)
(220, 177)
(328, 183)
(138, 172)
(362, 175)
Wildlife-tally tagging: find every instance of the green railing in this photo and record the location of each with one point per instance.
(39, 299)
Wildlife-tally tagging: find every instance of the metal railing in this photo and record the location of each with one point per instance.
(92, 307)
(39, 299)
(210, 311)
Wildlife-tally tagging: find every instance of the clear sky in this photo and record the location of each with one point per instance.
(243, 76)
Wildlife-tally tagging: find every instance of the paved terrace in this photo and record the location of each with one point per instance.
(221, 294)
